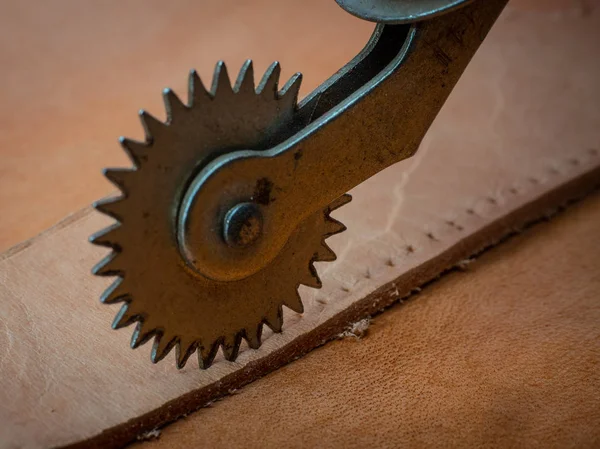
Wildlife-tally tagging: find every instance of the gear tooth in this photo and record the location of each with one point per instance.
(332, 227)
(107, 237)
(197, 93)
(115, 293)
(231, 347)
(339, 202)
(294, 302)
(152, 126)
(137, 151)
(207, 354)
(268, 85)
(157, 133)
(108, 266)
(162, 346)
(125, 317)
(325, 253)
(173, 105)
(290, 91)
(220, 84)
(311, 277)
(245, 80)
(274, 319)
(184, 349)
(119, 177)
(253, 336)
(113, 207)
(141, 335)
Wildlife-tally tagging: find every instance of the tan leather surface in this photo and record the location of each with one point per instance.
(522, 122)
(505, 354)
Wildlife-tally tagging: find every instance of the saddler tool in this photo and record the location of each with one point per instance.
(228, 204)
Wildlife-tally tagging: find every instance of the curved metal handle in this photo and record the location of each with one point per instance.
(353, 132)
(394, 12)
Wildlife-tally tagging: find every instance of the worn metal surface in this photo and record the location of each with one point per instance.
(157, 278)
(228, 205)
(399, 11)
(379, 124)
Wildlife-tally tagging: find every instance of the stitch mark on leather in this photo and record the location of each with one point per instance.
(390, 262)
(593, 151)
(430, 236)
(409, 249)
(471, 211)
(368, 274)
(493, 201)
(534, 181)
(574, 162)
(513, 190)
(453, 224)
(345, 289)
(553, 171)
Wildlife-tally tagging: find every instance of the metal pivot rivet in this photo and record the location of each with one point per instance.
(242, 225)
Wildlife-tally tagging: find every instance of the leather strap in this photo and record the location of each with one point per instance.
(501, 354)
(518, 138)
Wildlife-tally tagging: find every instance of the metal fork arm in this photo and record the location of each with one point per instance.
(376, 125)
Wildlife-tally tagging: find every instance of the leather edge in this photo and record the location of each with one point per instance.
(385, 296)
